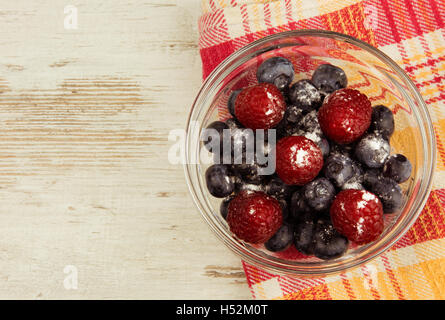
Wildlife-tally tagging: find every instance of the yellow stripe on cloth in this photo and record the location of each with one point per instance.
(414, 270)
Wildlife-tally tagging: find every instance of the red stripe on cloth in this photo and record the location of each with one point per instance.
(404, 23)
(412, 15)
(400, 22)
(390, 19)
(429, 226)
(288, 6)
(212, 56)
(382, 29)
(375, 294)
(441, 196)
(347, 286)
(267, 16)
(441, 97)
(428, 63)
(424, 14)
(434, 70)
(213, 28)
(248, 272)
(213, 5)
(256, 275)
(440, 147)
(245, 17)
(299, 284)
(438, 10)
(436, 80)
(431, 223)
(405, 241)
(314, 293)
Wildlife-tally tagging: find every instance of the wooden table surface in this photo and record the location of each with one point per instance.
(86, 189)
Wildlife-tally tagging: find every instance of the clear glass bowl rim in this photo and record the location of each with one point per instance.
(323, 268)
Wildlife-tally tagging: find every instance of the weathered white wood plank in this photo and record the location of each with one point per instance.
(84, 176)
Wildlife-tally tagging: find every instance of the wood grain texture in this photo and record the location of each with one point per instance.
(84, 180)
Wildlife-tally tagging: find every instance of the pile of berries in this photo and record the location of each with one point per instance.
(334, 177)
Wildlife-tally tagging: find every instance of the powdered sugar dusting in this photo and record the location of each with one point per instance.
(301, 157)
(368, 196)
(360, 225)
(361, 204)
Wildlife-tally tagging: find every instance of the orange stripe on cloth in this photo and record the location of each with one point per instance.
(347, 286)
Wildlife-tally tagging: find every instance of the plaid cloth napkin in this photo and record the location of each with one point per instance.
(413, 34)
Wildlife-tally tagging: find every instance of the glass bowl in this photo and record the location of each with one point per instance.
(368, 70)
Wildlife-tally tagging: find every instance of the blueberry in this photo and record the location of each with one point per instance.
(224, 206)
(305, 95)
(323, 144)
(299, 210)
(219, 180)
(310, 122)
(278, 189)
(293, 114)
(215, 130)
(231, 102)
(244, 186)
(382, 121)
(298, 203)
(285, 129)
(356, 181)
(328, 78)
(389, 193)
(309, 127)
(277, 70)
(353, 184)
(234, 124)
(284, 208)
(303, 237)
(371, 177)
(343, 149)
(372, 150)
(289, 124)
(338, 168)
(282, 239)
(328, 243)
(398, 168)
(319, 193)
(249, 172)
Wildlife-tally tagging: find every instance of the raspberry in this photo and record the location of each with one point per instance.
(260, 107)
(298, 160)
(345, 115)
(358, 215)
(254, 216)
